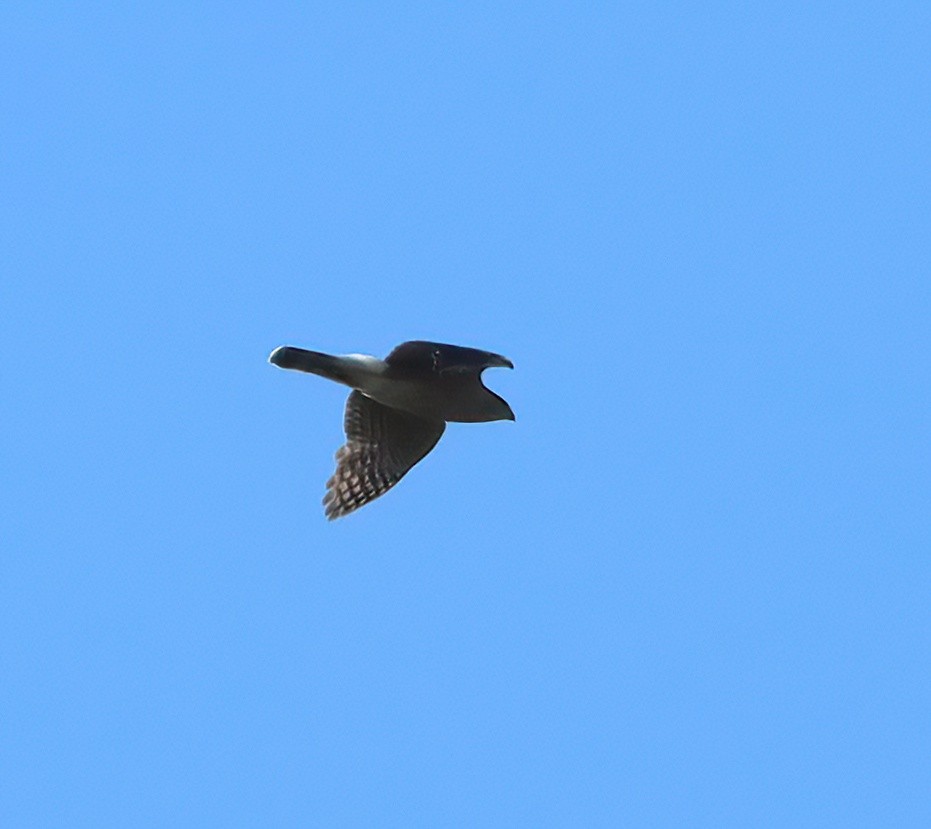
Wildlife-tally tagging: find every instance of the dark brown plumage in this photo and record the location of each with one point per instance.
(397, 410)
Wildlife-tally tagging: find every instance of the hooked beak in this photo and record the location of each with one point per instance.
(497, 361)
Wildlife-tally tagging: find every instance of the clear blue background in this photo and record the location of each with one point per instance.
(690, 586)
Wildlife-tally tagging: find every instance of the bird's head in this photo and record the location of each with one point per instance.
(458, 369)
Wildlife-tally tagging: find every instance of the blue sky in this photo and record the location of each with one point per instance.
(689, 586)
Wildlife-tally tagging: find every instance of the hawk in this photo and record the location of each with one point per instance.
(397, 410)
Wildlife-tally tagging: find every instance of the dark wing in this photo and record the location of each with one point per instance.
(382, 444)
(422, 356)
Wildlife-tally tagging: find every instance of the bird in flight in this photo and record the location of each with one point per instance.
(397, 409)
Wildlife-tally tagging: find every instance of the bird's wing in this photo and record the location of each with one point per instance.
(382, 444)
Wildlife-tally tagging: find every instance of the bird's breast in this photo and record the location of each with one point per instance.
(463, 400)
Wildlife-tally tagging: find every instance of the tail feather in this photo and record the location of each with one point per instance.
(313, 362)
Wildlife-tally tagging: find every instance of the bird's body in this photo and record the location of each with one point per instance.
(398, 409)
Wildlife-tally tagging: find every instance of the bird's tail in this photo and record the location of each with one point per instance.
(314, 362)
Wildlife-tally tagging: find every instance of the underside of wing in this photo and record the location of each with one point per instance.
(382, 444)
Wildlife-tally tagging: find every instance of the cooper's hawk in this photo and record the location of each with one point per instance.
(397, 410)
